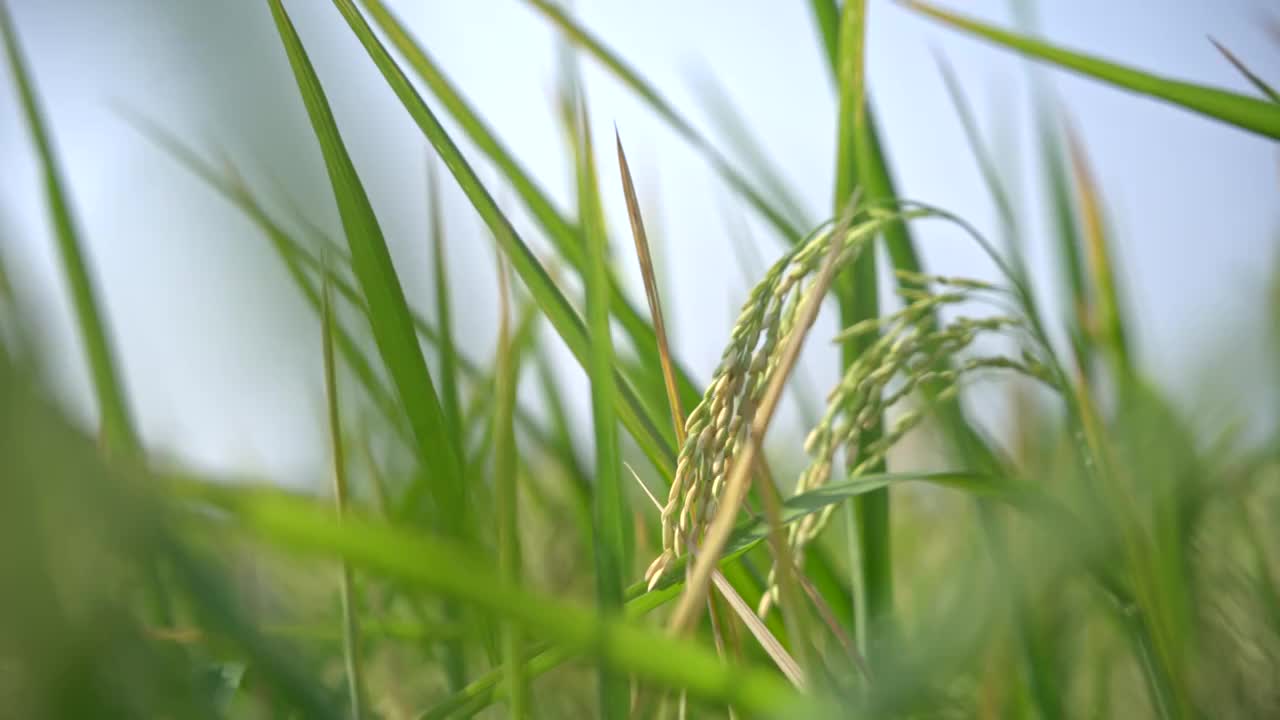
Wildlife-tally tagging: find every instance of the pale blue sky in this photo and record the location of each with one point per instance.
(222, 366)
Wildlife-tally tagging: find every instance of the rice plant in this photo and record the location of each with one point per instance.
(478, 551)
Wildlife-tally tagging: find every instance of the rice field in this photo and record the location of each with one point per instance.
(476, 550)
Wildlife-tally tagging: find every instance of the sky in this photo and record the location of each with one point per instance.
(222, 362)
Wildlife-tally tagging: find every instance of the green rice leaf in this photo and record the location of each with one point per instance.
(611, 523)
(826, 15)
(389, 316)
(1240, 110)
(974, 484)
(859, 301)
(341, 496)
(1066, 230)
(506, 460)
(449, 399)
(119, 435)
(438, 565)
(1107, 320)
(389, 313)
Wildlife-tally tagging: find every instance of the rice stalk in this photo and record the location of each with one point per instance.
(505, 467)
(341, 496)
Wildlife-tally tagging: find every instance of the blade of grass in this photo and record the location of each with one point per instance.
(1058, 196)
(859, 301)
(1240, 110)
(1262, 85)
(549, 298)
(350, 623)
(119, 435)
(1108, 322)
(389, 314)
(651, 293)
(1025, 497)
(616, 66)
(117, 432)
(438, 565)
(610, 516)
(444, 321)
(826, 16)
(1066, 230)
(380, 285)
(505, 462)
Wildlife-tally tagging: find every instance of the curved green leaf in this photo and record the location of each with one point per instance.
(437, 565)
(611, 524)
(1240, 110)
(118, 431)
(389, 315)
